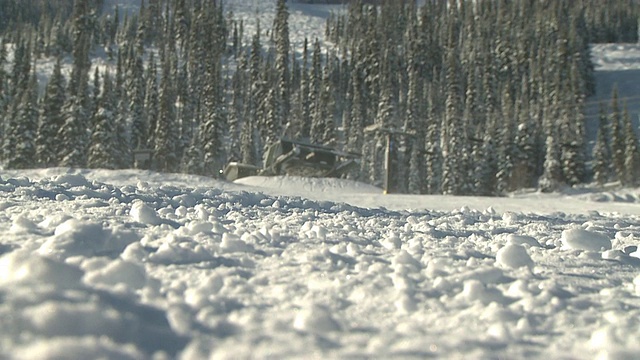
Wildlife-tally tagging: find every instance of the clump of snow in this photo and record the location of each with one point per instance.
(522, 240)
(580, 239)
(316, 319)
(118, 273)
(144, 214)
(514, 256)
(77, 348)
(24, 268)
(179, 250)
(76, 237)
(71, 180)
(23, 225)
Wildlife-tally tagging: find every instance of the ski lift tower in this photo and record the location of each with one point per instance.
(388, 133)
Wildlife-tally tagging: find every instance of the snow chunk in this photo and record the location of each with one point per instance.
(613, 255)
(391, 242)
(21, 267)
(232, 243)
(75, 237)
(315, 319)
(485, 274)
(22, 225)
(118, 273)
(71, 180)
(68, 319)
(580, 239)
(77, 348)
(142, 213)
(198, 226)
(608, 337)
(475, 290)
(179, 250)
(522, 240)
(514, 256)
(404, 258)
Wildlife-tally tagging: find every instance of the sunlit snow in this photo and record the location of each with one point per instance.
(132, 264)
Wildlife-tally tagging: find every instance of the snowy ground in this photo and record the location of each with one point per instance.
(130, 264)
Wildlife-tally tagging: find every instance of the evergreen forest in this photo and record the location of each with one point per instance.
(484, 97)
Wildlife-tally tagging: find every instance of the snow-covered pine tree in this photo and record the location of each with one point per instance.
(251, 145)
(602, 150)
(355, 122)
(434, 156)
(327, 105)
(631, 175)
(74, 132)
(165, 134)
(124, 158)
(387, 119)
(21, 69)
(135, 93)
(239, 86)
(182, 20)
(103, 145)
(316, 130)
(214, 122)
(193, 161)
(82, 31)
(151, 100)
(525, 157)
(551, 178)
(21, 130)
(282, 66)
(152, 19)
(573, 150)
(3, 95)
(505, 143)
(213, 126)
(92, 104)
(617, 137)
(303, 126)
(3, 84)
(453, 137)
(51, 119)
(414, 118)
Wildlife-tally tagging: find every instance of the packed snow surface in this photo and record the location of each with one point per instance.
(135, 264)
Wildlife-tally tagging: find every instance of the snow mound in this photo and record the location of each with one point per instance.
(24, 268)
(77, 348)
(514, 256)
(144, 214)
(302, 185)
(85, 238)
(580, 239)
(316, 319)
(522, 240)
(118, 273)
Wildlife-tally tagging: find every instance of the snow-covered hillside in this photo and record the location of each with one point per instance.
(616, 65)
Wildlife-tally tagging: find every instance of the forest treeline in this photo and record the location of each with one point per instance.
(483, 97)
